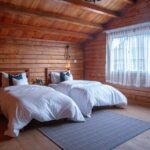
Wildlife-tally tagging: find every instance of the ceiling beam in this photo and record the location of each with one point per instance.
(48, 16)
(34, 41)
(47, 30)
(130, 1)
(92, 8)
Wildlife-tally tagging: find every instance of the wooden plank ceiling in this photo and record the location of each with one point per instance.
(59, 20)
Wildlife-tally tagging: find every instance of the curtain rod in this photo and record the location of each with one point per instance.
(128, 27)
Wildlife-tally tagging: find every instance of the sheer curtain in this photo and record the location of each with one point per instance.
(128, 56)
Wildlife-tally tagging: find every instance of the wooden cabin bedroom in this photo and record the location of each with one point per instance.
(74, 74)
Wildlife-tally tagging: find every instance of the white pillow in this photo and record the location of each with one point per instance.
(5, 79)
(24, 76)
(23, 81)
(20, 82)
(55, 77)
(70, 77)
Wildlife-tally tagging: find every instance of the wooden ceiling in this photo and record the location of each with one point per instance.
(59, 20)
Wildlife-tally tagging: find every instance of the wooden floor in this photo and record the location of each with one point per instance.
(32, 139)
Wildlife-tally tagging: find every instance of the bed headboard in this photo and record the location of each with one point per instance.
(48, 72)
(14, 71)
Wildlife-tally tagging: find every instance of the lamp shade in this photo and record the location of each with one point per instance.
(68, 65)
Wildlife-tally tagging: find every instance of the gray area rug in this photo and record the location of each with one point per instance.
(104, 131)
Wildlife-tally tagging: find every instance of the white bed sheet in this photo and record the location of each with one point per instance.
(88, 94)
(21, 104)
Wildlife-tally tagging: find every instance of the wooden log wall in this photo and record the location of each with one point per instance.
(95, 52)
(38, 55)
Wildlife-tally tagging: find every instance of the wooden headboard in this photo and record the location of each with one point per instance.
(48, 72)
(14, 71)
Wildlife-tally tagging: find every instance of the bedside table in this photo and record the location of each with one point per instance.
(38, 82)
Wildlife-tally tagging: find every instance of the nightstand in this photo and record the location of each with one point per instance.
(37, 82)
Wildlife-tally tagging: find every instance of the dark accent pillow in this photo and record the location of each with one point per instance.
(17, 77)
(62, 76)
(68, 73)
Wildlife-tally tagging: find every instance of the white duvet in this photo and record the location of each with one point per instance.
(21, 104)
(88, 94)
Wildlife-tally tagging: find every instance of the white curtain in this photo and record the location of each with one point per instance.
(128, 56)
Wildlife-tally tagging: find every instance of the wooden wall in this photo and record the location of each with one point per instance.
(95, 52)
(94, 59)
(37, 55)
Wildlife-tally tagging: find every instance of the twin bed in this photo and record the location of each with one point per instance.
(88, 94)
(72, 99)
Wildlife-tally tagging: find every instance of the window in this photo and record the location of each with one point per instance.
(128, 56)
